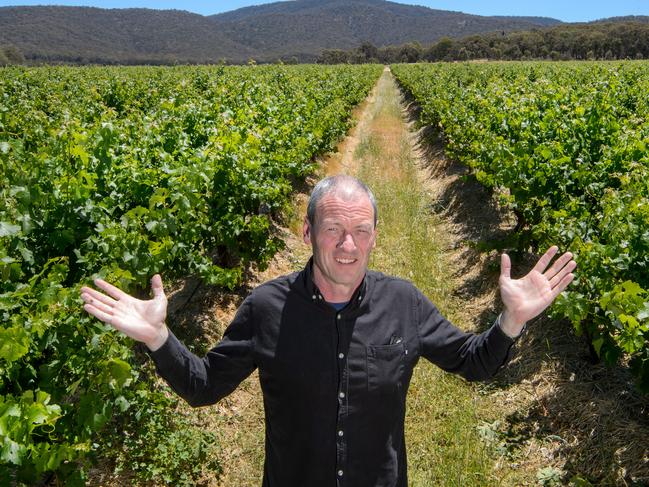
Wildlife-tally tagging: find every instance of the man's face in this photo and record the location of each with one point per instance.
(342, 237)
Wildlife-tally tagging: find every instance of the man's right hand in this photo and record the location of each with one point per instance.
(141, 320)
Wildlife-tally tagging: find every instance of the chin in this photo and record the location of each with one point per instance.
(347, 279)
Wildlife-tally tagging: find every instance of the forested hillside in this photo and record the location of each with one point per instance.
(293, 31)
(618, 38)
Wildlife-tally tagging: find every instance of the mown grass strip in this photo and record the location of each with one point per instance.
(444, 446)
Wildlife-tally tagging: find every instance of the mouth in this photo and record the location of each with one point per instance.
(343, 261)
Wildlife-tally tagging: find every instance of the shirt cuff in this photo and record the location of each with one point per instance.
(168, 348)
(499, 326)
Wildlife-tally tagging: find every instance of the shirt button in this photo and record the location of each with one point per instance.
(340, 473)
(339, 316)
(340, 433)
(341, 355)
(313, 297)
(341, 394)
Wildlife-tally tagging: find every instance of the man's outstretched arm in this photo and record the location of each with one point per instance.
(479, 356)
(200, 381)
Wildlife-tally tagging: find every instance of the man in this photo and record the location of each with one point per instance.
(335, 345)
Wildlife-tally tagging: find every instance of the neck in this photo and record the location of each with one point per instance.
(334, 292)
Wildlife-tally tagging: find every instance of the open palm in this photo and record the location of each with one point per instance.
(527, 297)
(142, 320)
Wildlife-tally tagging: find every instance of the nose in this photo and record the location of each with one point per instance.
(347, 243)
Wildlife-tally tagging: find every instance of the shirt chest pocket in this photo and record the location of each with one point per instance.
(385, 364)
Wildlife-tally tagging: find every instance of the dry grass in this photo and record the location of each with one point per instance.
(554, 407)
(444, 445)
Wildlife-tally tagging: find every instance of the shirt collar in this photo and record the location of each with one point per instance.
(314, 293)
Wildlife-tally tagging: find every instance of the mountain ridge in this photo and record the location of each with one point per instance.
(296, 30)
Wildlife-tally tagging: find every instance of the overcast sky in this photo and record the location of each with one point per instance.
(566, 10)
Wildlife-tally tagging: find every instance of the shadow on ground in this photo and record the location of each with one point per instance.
(192, 315)
(581, 415)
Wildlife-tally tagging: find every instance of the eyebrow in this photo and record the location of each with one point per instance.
(336, 223)
(329, 222)
(365, 226)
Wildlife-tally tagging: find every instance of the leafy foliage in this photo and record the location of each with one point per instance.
(123, 173)
(614, 38)
(567, 148)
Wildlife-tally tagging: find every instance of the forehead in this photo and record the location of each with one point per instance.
(357, 209)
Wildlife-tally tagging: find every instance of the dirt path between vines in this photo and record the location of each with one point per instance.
(549, 417)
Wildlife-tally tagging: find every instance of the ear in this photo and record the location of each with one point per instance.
(306, 231)
(376, 233)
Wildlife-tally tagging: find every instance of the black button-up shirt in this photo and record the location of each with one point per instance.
(334, 382)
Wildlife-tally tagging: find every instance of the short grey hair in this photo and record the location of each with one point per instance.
(338, 184)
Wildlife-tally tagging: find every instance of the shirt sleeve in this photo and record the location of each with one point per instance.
(473, 356)
(204, 381)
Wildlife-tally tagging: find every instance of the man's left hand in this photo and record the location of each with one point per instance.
(527, 297)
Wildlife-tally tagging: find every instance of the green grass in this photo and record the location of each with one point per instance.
(444, 446)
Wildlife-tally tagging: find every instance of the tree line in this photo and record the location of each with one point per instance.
(605, 40)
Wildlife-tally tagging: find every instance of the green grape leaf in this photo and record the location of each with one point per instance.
(119, 372)
(643, 314)
(12, 452)
(7, 411)
(81, 153)
(14, 343)
(8, 229)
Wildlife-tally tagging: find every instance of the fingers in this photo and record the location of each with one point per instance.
(559, 265)
(156, 286)
(545, 259)
(92, 296)
(563, 284)
(98, 304)
(111, 290)
(563, 272)
(102, 314)
(505, 266)
(110, 316)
